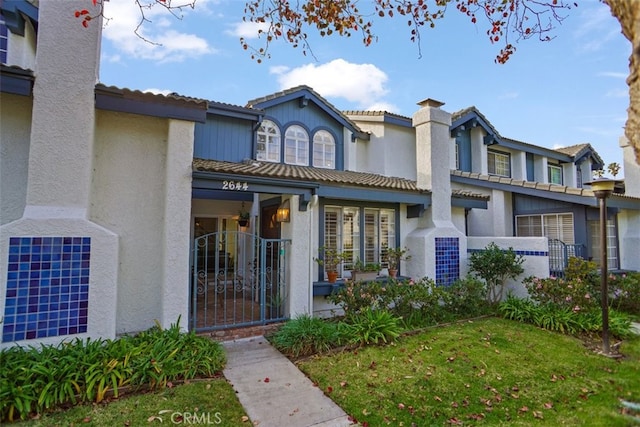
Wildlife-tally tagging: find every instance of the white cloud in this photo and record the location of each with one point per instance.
(158, 91)
(509, 95)
(614, 74)
(382, 106)
(617, 93)
(248, 30)
(596, 29)
(162, 44)
(362, 84)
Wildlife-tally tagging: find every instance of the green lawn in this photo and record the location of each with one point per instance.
(487, 372)
(211, 402)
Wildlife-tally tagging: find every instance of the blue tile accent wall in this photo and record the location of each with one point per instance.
(520, 252)
(47, 287)
(447, 260)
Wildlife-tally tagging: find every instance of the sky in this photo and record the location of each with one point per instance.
(567, 91)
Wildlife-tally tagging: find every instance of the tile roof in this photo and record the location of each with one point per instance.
(585, 192)
(149, 96)
(311, 174)
(374, 113)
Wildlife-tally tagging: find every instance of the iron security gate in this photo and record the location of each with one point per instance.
(559, 254)
(238, 280)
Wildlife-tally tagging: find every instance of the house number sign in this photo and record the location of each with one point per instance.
(235, 185)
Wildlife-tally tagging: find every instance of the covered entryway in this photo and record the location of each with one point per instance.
(239, 279)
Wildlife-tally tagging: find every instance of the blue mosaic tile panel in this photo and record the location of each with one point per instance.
(47, 287)
(523, 253)
(447, 260)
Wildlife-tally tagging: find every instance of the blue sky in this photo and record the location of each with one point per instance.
(568, 91)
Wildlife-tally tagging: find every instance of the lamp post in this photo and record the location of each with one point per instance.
(602, 188)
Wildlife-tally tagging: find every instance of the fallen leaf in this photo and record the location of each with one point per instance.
(208, 387)
(548, 405)
(343, 383)
(86, 420)
(329, 389)
(365, 412)
(523, 409)
(266, 380)
(400, 406)
(244, 419)
(538, 414)
(438, 398)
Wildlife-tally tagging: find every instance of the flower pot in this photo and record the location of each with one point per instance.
(364, 275)
(393, 272)
(243, 222)
(332, 276)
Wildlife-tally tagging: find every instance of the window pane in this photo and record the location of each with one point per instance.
(499, 163)
(323, 150)
(351, 235)
(555, 174)
(529, 226)
(371, 240)
(296, 146)
(268, 142)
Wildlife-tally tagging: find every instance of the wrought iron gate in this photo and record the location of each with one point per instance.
(559, 254)
(238, 279)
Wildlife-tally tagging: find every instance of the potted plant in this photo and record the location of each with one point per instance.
(243, 217)
(393, 257)
(330, 259)
(365, 271)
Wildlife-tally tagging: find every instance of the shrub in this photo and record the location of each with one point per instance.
(371, 327)
(562, 319)
(495, 266)
(466, 298)
(357, 296)
(35, 379)
(305, 335)
(624, 292)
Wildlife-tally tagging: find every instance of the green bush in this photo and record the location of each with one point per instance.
(495, 266)
(371, 327)
(624, 292)
(562, 319)
(305, 335)
(35, 379)
(466, 297)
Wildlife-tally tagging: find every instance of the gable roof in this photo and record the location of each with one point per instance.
(471, 116)
(306, 94)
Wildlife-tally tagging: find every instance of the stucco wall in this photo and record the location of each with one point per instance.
(128, 197)
(14, 155)
(534, 249)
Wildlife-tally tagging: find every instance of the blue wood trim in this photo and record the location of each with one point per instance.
(633, 204)
(16, 82)
(368, 194)
(530, 165)
(200, 193)
(304, 93)
(470, 120)
(115, 102)
(463, 140)
(14, 12)
(398, 121)
(463, 202)
(541, 151)
(226, 110)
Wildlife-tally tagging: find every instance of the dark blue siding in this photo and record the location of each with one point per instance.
(530, 165)
(463, 140)
(224, 138)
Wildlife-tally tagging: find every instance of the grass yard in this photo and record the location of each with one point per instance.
(486, 372)
(211, 402)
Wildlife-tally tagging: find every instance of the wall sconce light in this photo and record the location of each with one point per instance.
(284, 212)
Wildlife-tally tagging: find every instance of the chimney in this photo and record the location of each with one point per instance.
(432, 157)
(62, 130)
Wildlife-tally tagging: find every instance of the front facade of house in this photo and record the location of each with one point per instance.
(120, 207)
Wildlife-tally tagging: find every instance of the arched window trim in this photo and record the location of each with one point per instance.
(324, 151)
(271, 152)
(296, 147)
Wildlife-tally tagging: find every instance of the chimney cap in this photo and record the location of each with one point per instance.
(429, 102)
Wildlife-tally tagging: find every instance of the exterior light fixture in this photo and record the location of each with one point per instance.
(283, 214)
(603, 188)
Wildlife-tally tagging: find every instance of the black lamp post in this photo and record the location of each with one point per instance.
(602, 188)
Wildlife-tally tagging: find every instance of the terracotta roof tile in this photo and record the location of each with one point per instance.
(307, 173)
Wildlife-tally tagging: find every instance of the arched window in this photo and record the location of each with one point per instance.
(296, 146)
(268, 142)
(324, 150)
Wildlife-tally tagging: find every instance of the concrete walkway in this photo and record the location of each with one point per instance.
(273, 392)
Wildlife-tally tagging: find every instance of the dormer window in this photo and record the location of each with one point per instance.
(296, 146)
(268, 142)
(324, 150)
(555, 174)
(499, 163)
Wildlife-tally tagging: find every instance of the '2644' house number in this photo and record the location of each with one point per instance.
(235, 185)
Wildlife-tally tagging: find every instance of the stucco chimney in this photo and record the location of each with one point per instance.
(62, 131)
(432, 156)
